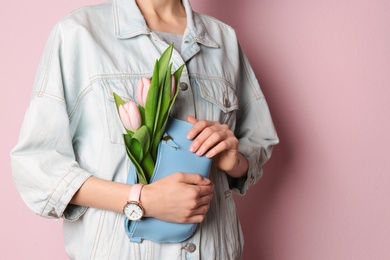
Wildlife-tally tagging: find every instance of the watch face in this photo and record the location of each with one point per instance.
(133, 211)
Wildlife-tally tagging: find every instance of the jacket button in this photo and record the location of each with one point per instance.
(190, 247)
(183, 86)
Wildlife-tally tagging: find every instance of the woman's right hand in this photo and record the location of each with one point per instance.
(179, 197)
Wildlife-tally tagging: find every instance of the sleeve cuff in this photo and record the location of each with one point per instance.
(58, 204)
(255, 171)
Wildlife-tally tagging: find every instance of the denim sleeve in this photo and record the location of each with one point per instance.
(44, 168)
(254, 127)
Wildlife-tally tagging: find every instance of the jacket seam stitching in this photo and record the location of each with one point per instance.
(79, 99)
(89, 88)
(216, 78)
(47, 64)
(250, 101)
(49, 96)
(53, 191)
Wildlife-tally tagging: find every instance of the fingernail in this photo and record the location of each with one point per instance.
(200, 152)
(189, 135)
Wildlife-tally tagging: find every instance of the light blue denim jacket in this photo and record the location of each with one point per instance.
(72, 130)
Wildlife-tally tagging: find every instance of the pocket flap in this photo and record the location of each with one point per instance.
(220, 94)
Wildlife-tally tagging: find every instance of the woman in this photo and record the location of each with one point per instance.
(70, 160)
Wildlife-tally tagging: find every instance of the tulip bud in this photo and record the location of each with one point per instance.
(142, 91)
(130, 116)
(173, 86)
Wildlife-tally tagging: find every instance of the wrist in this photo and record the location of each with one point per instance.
(240, 168)
(133, 208)
(102, 194)
(145, 200)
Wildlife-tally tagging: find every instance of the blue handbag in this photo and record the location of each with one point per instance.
(173, 156)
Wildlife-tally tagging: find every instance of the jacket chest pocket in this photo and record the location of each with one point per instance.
(125, 88)
(217, 101)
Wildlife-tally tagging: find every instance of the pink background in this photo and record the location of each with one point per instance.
(324, 68)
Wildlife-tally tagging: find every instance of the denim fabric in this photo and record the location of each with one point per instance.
(72, 131)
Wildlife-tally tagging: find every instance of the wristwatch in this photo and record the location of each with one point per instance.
(133, 209)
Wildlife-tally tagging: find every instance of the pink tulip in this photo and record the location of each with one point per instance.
(130, 116)
(173, 86)
(142, 91)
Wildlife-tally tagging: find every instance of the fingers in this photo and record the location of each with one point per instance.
(192, 119)
(189, 178)
(205, 190)
(216, 141)
(196, 216)
(209, 134)
(197, 128)
(220, 147)
(179, 197)
(208, 138)
(197, 210)
(212, 139)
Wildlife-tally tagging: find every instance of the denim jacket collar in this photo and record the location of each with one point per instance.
(129, 23)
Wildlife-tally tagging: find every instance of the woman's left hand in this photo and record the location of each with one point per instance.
(217, 141)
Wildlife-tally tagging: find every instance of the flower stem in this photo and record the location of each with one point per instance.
(147, 165)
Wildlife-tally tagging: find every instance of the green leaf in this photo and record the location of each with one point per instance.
(141, 141)
(177, 75)
(151, 100)
(165, 99)
(118, 101)
(142, 112)
(140, 172)
(156, 140)
(159, 114)
(148, 166)
(166, 95)
(137, 145)
(163, 119)
(163, 63)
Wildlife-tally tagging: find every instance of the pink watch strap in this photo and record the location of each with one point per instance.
(135, 192)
